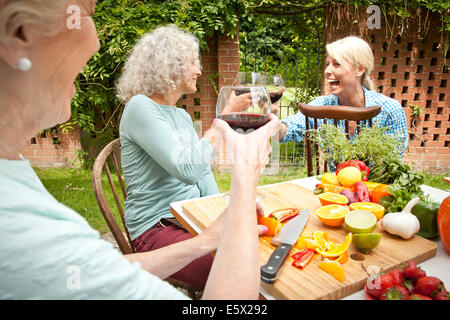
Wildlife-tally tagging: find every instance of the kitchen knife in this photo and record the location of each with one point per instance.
(285, 238)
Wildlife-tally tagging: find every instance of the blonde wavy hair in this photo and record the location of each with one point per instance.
(47, 15)
(157, 63)
(356, 51)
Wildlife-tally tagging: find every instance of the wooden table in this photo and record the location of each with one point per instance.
(434, 260)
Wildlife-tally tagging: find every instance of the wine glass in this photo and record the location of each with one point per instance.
(248, 79)
(244, 107)
(274, 84)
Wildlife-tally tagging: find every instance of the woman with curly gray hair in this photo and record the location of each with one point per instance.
(163, 159)
(47, 250)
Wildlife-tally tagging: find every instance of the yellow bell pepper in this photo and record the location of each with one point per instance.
(329, 178)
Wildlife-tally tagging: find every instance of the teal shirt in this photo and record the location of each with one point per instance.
(163, 161)
(48, 251)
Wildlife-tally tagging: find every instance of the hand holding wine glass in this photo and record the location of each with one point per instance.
(249, 153)
(243, 107)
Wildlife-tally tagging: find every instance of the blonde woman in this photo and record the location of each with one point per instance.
(349, 63)
(48, 251)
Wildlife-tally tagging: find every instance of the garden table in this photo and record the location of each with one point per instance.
(437, 263)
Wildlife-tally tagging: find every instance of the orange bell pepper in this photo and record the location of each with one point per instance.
(378, 192)
(273, 225)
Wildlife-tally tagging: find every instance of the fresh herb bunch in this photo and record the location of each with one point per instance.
(392, 171)
(405, 183)
(372, 144)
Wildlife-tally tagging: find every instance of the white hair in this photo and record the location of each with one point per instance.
(158, 63)
(356, 51)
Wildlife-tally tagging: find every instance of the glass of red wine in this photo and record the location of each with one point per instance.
(244, 107)
(275, 86)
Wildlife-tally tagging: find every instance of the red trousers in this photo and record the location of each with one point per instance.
(165, 233)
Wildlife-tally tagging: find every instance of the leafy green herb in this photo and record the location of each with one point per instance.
(392, 171)
(372, 144)
(405, 183)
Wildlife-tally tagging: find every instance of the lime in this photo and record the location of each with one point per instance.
(360, 221)
(365, 242)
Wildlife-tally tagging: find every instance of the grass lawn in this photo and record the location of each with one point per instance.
(73, 187)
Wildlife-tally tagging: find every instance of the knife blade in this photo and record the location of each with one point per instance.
(285, 238)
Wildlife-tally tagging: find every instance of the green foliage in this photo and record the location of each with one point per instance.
(286, 45)
(372, 144)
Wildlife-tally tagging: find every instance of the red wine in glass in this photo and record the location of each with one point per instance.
(275, 96)
(245, 120)
(238, 92)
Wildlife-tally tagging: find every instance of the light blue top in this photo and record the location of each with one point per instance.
(48, 251)
(163, 161)
(391, 116)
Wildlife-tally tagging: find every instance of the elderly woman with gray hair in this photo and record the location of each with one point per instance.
(48, 251)
(163, 159)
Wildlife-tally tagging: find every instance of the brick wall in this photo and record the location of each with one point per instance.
(51, 148)
(409, 67)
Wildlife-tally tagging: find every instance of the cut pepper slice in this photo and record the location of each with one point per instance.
(304, 259)
(284, 214)
(299, 254)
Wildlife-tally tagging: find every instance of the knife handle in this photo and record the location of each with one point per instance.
(269, 271)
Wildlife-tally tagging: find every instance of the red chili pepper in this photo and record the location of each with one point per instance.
(304, 259)
(362, 192)
(284, 214)
(365, 170)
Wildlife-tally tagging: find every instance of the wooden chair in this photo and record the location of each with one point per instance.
(345, 113)
(112, 151)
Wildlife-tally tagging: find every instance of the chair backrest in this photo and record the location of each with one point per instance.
(345, 113)
(111, 151)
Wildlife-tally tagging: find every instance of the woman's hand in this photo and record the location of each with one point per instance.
(249, 153)
(238, 103)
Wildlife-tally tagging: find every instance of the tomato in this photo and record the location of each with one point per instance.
(379, 191)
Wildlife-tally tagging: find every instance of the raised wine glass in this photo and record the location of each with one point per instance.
(274, 84)
(244, 107)
(248, 79)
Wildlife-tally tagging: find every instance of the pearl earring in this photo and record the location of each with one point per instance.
(24, 64)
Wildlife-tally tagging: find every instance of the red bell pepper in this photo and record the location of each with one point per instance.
(299, 254)
(362, 192)
(304, 259)
(357, 164)
(284, 214)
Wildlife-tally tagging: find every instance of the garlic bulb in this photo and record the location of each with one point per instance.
(403, 224)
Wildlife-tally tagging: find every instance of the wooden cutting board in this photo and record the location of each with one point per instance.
(312, 282)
